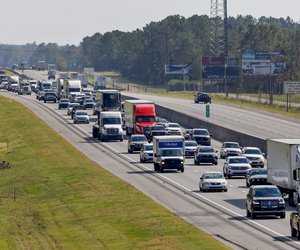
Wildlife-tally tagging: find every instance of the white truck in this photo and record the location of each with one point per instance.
(283, 167)
(71, 88)
(168, 152)
(109, 126)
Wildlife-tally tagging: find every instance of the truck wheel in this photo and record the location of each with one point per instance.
(248, 213)
(155, 167)
(293, 232)
(282, 216)
(161, 169)
(182, 169)
(291, 199)
(253, 215)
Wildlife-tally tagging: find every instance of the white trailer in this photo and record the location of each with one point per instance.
(283, 162)
(168, 152)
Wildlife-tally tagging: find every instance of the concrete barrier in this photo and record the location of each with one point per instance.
(219, 133)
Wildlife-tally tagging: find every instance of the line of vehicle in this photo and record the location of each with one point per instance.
(165, 179)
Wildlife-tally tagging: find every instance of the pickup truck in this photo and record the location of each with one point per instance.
(295, 222)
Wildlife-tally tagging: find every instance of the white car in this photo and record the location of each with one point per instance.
(213, 181)
(173, 128)
(81, 116)
(255, 156)
(230, 149)
(236, 166)
(146, 153)
(190, 148)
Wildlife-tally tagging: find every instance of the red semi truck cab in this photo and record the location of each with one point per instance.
(139, 114)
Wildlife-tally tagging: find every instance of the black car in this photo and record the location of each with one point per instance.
(202, 97)
(155, 130)
(63, 103)
(201, 136)
(256, 177)
(265, 200)
(205, 154)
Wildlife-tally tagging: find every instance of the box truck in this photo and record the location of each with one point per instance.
(283, 165)
(138, 115)
(168, 152)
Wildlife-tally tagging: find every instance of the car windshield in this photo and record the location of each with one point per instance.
(258, 171)
(64, 100)
(267, 192)
(171, 152)
(89, 100)
(138, 138)
(252, 152)
(200, 132)
(157, 128)
(112, 120)
(173, 125)
(206, 150)
(231, 145)
(191, 144)
(213, 176)
(148, 147)
(238, 160)
(146, 119)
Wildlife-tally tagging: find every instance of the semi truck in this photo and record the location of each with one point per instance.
(283, 165)
(71, 88)
(168, 152)
(108, 126)
(138, 115)
(83, 79)
(107, 100)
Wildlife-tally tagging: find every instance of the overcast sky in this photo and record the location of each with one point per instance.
(68, 22)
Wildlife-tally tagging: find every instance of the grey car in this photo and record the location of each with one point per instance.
(236, 166)
(135, 142)
(146, 153)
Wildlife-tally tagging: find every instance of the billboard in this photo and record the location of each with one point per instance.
(219, 67)
(178, 69)
(263, 63)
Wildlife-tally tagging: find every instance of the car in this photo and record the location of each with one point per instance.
(63, 103)
(146, 153)
(40, 95)
(81, 116)
(76, 107)
(190, 148)
(173, 128)
(187, 133)
(264, 200)
(201, 136)
(206, 154)
(213, 181)
(154, 130)
(256, 177)
(236, 166)
(255, 156)
(230, 149)
(70, 107)
(135, 142)
(89, 103)
(79, 98)
(202, 97)
(50, 97)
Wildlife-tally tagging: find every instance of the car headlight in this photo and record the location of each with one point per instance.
(281, 201)
(224, 183)
(229, 167)
(225, 150)
(255, 202)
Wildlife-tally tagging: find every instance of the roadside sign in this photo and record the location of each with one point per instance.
(291, 87)
(207, 110)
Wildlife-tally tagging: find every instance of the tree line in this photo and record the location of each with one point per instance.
(140, 55)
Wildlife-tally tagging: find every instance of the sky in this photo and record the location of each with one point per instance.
(68, 22)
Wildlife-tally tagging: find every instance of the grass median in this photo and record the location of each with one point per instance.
(53, 197)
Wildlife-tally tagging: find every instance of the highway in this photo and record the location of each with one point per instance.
(219, 214)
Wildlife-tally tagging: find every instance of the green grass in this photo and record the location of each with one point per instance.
(65, 201)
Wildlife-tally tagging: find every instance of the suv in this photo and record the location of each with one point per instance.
(265, 200)
(202, 97)
(230, 149)
(201, 136)
(135, 142)
(155, 130)
(236, 166)
(146, 153)
(255, 156)
(50, 97)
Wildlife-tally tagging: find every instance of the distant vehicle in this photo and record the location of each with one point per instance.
(40, 95)
(201, 136)
(107, 100)
(230, 149)
(51, 75)
(154, 130)
(205, 154)
(83, 79)
(190, 148)
(213, 181)
(71, 106)
(76, 107)
(50, 97)
(295, 222)
(41, 65)
(265, 200)
(202, 97)
(236, 166)
(146, 153)
(71, 88)
(173, 128)
(88, 103)
(257, 177)
(34, 85)
(187, 133)
(63, 103)
(135, 143)
(255, 156)
(81, 116)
